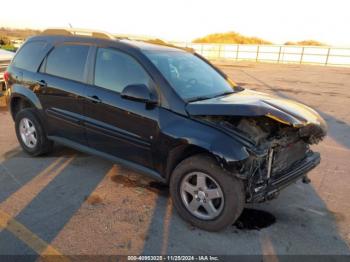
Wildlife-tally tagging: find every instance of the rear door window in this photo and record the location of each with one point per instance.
(30, 56)
(68, 61)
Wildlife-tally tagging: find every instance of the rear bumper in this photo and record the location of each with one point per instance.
(284, 179)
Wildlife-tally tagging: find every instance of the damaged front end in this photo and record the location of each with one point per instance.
(280, 152)
(276, 132)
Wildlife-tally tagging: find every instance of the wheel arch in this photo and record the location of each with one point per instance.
(182, 152)
(22, 97)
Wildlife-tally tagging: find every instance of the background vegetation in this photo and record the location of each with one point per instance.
(230, 38)
(8, 34)
(12, 33)
(306, 42)
(236, 38)
(6, 44)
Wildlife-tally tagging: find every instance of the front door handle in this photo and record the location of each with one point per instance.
(94, 99)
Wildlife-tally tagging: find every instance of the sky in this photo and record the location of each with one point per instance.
(277, 21)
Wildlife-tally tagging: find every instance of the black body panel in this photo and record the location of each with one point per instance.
(252, 103)
(62, 101)
(120, 127)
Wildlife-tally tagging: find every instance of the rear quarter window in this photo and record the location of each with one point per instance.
(30, 55)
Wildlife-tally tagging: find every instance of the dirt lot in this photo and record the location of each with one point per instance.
(71, 203)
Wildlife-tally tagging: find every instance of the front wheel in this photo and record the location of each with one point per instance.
(205, 194)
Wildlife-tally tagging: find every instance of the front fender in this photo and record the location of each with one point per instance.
(228, 149)
(179, 131)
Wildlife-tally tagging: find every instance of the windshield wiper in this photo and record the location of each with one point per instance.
(198, 98)
(224, 94)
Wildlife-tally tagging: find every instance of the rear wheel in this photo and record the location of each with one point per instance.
(205, 194)
(30, 133)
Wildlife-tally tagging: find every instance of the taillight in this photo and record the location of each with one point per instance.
(6, 76)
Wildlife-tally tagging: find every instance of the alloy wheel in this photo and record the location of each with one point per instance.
(202, 195)
(28, 132)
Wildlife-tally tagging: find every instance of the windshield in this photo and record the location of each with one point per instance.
(191, 77)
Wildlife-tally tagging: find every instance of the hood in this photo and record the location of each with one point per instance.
(252, 103)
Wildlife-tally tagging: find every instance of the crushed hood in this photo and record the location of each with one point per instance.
(252, 103)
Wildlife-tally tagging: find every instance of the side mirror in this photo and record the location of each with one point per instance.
(138, 92)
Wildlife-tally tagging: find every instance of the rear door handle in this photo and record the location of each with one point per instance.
(41, 83)
(94, 99)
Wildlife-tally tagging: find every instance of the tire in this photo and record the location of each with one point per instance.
(42, 145)
(232, 190)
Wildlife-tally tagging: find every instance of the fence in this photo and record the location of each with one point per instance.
(332, 56)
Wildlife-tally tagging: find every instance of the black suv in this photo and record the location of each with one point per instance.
(166, 112)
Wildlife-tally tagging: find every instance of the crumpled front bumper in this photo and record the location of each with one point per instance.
(279, 181)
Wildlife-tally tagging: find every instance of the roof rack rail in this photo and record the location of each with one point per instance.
(133, 37)
(77, 32)
(93, 33)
